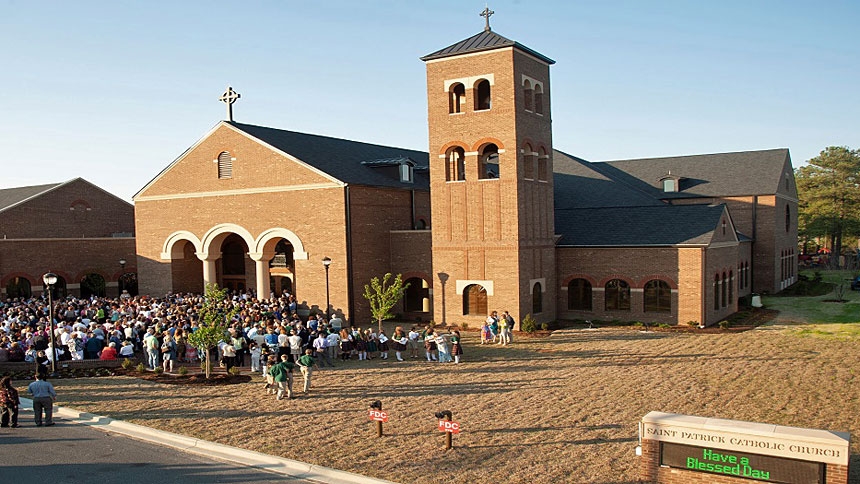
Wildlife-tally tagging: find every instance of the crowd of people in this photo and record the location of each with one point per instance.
(157, 331)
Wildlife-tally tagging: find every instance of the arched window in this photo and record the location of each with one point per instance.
(483, 99)
(723, 289)
(538, 99)
(489, 162)
(617, 295)
(787, 218)
(537, 298)
(225, 165)
(579, 295)
(716, 291)
(416, 299)
(59, 291)
(658, 296)
(92, 285)
(474, 300)
(18, 287)
(541, 164)
(456, 98)
(528, 95)
(455, 164)
(528, 162)
(731, 287)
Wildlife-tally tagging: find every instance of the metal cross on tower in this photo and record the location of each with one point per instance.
(487, 13)
(229, 97)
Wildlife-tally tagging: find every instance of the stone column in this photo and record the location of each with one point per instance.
(210, 274)
(261, 268)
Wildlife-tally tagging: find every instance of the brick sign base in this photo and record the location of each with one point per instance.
(681, 449)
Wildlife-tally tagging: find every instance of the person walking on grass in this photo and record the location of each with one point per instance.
(44, 397)
(307, 363)
(282, 375)
(456, 347)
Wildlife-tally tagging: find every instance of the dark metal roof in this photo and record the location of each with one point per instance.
(579, 185)
(342, 159)
(400, 160)
(483, 41)
(10, 197)
(660, 225)
(711, 175)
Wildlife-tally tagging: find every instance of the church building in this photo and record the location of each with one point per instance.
(491, 217)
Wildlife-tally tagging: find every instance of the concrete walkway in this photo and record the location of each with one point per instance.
(226, 453)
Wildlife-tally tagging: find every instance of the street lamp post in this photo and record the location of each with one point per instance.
(122, 263)
(50, 279)
(327, 262)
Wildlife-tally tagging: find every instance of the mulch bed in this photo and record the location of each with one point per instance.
(215, 379)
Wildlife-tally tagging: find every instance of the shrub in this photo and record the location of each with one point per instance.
(544, 326)
(158, 370)
(127, 363)
(235, 371)
(638, 324)
(724, 324)
(664, 325)
(693, 324)
(140, 367)
(183, 370)
(528, 324)
(464, 326)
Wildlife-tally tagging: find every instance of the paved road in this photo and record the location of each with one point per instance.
(74, 453)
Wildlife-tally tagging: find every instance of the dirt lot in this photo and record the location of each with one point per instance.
(562, 408)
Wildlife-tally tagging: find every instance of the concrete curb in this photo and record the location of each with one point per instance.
(235, 455)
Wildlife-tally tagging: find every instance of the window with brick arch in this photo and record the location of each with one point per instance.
(723, 290)
(528, 162)
(542, 164)
(483, 97)
(456, 98)
(18, 287)
(528, 95)
(538, 93)
(731, 287)
(658, 296)
(537, 298)
(225, 165)
(716, 292)
(455, 164)
(474, 300)
(579, 295)
(787, 218)
(488, 161)
(617, 295)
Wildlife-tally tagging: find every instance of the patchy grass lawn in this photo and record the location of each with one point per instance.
(562, 408)
(817, 310)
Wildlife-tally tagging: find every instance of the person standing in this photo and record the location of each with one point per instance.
(150, 343)
(44, 397)
(8, 403)
(282, 375)
(307, 363)
(511, 323)
(456, 347)
(503, 332)
(168, 353)
(321, 347)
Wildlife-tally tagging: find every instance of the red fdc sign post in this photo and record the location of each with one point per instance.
(377, 415)
(449, 426)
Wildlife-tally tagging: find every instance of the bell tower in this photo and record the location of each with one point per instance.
(491, 183)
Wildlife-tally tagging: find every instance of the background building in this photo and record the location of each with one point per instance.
(74, 229)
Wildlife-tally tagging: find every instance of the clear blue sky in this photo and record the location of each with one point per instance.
(113, 91)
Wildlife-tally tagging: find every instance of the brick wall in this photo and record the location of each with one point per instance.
(76, 209)
(71, 259)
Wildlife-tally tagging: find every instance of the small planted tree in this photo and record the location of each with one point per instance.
(382, 296)
(212, 328)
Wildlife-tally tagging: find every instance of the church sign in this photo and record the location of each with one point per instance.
(735, 451)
